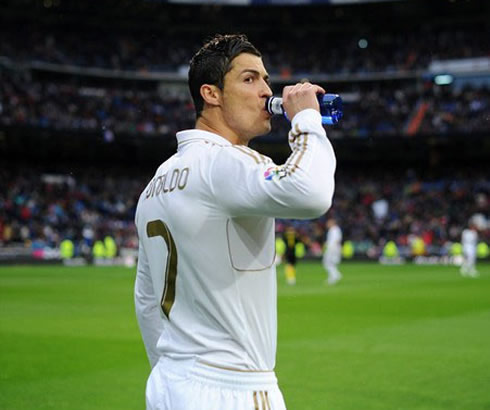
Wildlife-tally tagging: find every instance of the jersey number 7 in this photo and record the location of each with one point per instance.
(159, 228)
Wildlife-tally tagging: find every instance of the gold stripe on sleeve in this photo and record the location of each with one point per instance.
(302, 152)
(263, 158)
(293, 134)
(247, 152)
(257, 156)
(289, 162)
(293, 161)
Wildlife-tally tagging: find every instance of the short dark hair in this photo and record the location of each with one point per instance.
(211, 63)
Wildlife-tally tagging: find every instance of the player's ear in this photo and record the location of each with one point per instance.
(211, 94)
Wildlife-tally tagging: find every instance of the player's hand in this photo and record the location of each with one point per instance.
(299, 97)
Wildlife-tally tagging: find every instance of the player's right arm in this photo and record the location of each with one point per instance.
(246, 183)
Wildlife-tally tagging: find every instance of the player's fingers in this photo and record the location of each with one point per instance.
(291, 89)
(301, 96)
(286, 91)
(302, 89)
(297, 89)
(318, 89)
(308, 87)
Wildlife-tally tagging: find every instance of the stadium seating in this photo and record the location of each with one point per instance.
(82, 73)
(40, 210)
(383, 110)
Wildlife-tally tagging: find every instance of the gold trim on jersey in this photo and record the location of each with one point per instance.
(250, 154)
(295, 134)
(264, 400)
(232, 369)
(293, 161)
(267, 402)
(257, 157)
(256, 403)
(206, 141)
(302, 151)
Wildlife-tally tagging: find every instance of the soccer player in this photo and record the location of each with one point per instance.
(333, 252)
(290, 239)
(205, 290)
(469, 239)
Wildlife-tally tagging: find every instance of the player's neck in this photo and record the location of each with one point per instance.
(208, 122)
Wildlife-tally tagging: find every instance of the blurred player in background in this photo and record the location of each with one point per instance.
(469, 240)
(205, 290)
(291, 240)
(333, 252)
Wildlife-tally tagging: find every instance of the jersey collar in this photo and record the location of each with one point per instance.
(183, 137)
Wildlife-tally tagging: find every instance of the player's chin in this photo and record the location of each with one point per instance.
(260, 126)
(266, 126)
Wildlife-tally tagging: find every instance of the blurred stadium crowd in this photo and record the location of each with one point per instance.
(382, 206)
(401, 108)
(302, 51)
(40, 210)
(99, 80)
(65, 106)
(383, 110)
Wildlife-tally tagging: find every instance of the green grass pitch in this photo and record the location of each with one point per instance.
(385, 337)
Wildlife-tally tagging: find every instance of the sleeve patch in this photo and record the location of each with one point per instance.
(274, 173)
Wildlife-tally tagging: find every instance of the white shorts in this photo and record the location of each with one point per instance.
(192, 385)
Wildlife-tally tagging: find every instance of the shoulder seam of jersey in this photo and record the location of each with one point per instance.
(257, 157)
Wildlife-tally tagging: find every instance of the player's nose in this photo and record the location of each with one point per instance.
(266, 90)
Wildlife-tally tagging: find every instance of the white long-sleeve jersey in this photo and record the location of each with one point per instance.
(206, 281)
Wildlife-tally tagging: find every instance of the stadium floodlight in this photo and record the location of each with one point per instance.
(443, 79)
(362, 43)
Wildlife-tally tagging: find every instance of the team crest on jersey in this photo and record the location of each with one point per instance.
(274, 173)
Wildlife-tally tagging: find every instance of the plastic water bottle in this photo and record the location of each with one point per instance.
(330, 107)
